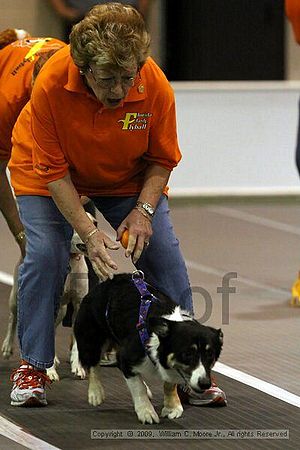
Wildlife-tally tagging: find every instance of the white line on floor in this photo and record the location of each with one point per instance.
(252, 218)
(16, 434)
(6, 278)
(258, 384)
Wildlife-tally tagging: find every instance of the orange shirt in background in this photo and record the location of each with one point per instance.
(292, 9)
(106, 151)
(16, 66)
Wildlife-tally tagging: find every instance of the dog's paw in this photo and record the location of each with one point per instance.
(76, 367)
(52, 374)
(78, 371)
(172, 413)
(7, 350)
(147, 414)
(56, 362)
(96, 394)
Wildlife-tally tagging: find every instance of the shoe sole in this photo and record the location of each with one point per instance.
(216, 402)
(30, 402)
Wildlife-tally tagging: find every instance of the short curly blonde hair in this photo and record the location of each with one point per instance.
(112, 35)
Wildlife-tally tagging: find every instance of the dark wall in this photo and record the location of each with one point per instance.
(225, 39)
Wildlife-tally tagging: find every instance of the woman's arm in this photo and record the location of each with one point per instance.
(156, 179)
(138, 222)
(67, 200)
(9, 209)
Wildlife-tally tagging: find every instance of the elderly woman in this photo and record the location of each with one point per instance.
(103, 125)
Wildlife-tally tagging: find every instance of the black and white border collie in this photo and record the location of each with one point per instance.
(179, 350)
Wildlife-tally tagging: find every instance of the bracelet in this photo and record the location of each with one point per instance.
(147, 207)
(20, 237)
(90, 234)
(143, 212)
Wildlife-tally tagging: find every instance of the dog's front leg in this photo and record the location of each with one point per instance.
(96, 393)
(172, 404)
(76, 367)
(142, 405)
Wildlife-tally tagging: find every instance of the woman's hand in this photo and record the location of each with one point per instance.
(96, 245)
(140, 232)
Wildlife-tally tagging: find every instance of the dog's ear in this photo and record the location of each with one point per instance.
(159, 326)
(221, 336)
(219, 342)
(218, 334)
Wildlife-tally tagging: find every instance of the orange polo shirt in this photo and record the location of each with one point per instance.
(16, 66)
(292, 9)
(106, 151)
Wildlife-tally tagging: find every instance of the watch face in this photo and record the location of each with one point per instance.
(149, 209)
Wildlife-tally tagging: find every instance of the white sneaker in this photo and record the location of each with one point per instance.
(214, 396)
(29, 386)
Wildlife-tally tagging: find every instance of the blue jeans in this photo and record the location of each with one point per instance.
(45, 267)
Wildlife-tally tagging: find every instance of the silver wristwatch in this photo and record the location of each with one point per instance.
(146, 207)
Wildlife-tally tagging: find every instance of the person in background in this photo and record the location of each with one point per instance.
(17, 62)
(115, 141)
(72, 11)
(20, 61)
(292, 9)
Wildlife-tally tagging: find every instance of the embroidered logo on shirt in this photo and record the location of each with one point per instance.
(35, 46)
(135, 121)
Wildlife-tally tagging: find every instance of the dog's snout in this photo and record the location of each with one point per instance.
(200, 379)
(204, 384)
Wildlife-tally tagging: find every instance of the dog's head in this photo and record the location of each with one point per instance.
(77, 246)
(188, 347)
